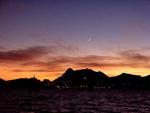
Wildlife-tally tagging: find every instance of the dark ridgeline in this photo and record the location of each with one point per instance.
(2, 83)
(81, 79)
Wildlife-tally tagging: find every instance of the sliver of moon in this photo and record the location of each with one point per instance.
(89, 39)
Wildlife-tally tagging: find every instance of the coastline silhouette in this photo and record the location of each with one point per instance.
(81, 79)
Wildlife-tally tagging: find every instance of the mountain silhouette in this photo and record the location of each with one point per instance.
(82, 79)
(2, 83)
(126, 81)
(85, 78)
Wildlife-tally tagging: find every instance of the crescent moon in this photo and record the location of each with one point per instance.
(89, 39)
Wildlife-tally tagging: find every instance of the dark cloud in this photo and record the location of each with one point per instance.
(129, 58)
(61, 62)
(56, 63)
(23, 54)
(33, 53)
(134, 56)
(111, 64)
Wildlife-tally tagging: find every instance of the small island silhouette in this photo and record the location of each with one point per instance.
(81, 79)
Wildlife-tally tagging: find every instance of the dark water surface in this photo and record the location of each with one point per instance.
(66, 101)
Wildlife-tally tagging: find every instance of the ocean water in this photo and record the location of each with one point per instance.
(74, 101)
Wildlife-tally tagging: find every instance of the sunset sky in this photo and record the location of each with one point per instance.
(45, 37)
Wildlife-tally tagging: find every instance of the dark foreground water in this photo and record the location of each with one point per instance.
(58, 101)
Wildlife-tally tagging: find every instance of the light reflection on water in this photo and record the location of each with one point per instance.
(66, 101)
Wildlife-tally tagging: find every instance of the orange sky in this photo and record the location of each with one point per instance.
(46, 67)
(49, 36)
